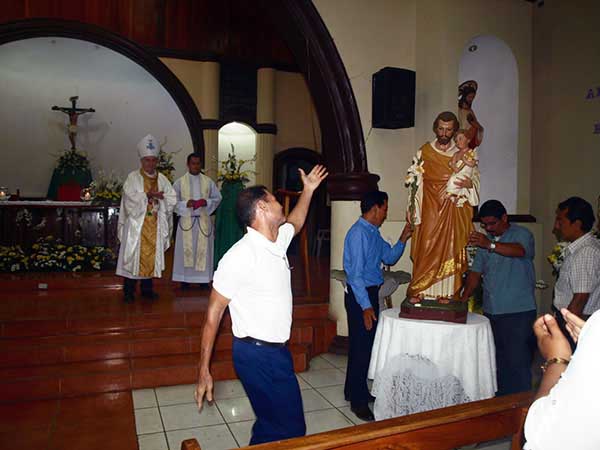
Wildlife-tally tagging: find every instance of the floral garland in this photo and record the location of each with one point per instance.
(49, 254)
(231, 168)
(72, 160)
(107, 188)
(414, 178)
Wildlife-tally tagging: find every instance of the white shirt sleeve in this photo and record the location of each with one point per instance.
(232, 271)
(285, 236)
(568, 416)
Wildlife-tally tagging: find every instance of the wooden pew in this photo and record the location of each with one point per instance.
(440, 429)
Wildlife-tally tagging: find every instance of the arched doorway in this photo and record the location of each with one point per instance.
(239, 138)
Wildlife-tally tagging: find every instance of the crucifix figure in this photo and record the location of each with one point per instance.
(73, 112)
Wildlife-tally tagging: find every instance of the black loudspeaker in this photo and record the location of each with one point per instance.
(393, 98)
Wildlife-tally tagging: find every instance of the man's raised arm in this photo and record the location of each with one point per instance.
(311, 182)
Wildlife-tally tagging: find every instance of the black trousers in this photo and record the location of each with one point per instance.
(129, 286)
(515, 344)
(361, 344)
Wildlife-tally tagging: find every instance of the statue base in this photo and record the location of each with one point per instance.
(431, 309)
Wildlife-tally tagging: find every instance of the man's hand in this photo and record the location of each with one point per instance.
(406, 232)
(466, 183)
(574, 323)
(479, 240)
(190, 203)
(204, 388)
(368, 318)
(551, 342)
(314, 178)
(153, 194)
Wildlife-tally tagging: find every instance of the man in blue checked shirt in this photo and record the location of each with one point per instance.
(364, 251)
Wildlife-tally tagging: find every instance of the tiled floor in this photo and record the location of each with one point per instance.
(168, 415)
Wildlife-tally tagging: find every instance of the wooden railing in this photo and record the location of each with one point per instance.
(441, 429)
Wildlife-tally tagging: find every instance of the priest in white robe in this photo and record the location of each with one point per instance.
(197, 198)
(145, 223)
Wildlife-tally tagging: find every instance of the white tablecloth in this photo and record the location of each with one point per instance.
(464, 350)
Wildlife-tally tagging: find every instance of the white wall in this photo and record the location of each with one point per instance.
(492, 64)
(36, 74)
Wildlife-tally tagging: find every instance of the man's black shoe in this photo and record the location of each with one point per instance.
(363, 413)
(150, 295)
(370, 400)
(185, 286)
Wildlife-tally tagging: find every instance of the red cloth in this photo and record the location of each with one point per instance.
(69, 192)
(199, 203)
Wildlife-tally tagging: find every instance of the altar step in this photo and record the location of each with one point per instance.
(54, 358)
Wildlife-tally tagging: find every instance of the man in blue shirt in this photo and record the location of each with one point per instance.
(505, 261)
(364, 251)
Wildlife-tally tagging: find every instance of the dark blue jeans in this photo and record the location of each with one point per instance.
(360, 346)
(515, 344)
(267, 374)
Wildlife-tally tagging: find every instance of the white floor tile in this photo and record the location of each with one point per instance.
(147, 421)
(340, 361)
(320, 363)
(177, 417)
(242, 432)
(323, 377)
(229, 389)
(334, 395)
(174, 395)
(157, 441)
(303, 384)
(313, 401)
(143, 398)
(325, 420)
(217, 437)
(236, 409)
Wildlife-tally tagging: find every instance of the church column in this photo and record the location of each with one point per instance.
(265, 126)
(345, 191)
(209, 91)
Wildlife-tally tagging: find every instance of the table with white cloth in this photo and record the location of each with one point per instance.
(418, 365)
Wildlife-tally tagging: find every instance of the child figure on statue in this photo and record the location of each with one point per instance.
(463, 164)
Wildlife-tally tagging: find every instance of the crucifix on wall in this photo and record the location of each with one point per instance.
(73, 112)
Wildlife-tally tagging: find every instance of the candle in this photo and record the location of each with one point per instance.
(4, 193)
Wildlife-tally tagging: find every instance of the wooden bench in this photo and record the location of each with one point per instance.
(441, 429)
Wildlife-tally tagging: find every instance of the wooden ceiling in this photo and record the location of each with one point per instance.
(231, 30)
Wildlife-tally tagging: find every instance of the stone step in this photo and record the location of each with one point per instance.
(70, 348)
(119, 374)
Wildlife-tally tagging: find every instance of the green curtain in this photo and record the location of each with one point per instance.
(228, 229)
(83, 177)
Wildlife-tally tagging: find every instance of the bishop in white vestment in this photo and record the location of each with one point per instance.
(197, 198)
(145, 222)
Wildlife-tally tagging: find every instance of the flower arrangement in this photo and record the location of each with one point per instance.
(165, 162)
(557, 256)
(107, 188)
(231, 168)
(72, 160)
(414, 178)
(13, 259)
(49, 254)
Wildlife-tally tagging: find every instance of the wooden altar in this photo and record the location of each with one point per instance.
(23, 222)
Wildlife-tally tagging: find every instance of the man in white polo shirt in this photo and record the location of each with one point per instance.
(253, 279)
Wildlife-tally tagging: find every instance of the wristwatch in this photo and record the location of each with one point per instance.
(492, 247)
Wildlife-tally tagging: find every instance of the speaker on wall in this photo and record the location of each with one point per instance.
(393, 98)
